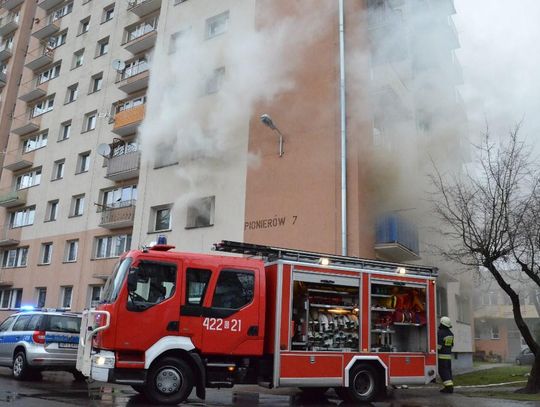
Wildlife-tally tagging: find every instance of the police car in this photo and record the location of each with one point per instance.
(36, 340)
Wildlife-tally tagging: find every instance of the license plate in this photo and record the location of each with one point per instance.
(68, 345)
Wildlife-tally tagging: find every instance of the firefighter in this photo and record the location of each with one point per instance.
(445, 341)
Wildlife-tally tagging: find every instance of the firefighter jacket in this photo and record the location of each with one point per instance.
(445, 341)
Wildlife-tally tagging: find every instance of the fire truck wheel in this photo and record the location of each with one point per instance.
(364, 385)
(169, 381)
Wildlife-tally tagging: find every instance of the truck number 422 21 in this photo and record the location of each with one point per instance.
(218, 324)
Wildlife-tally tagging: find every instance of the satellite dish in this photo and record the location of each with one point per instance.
(104, 150)
(118, 65)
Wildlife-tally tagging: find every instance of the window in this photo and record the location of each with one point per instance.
(174, 41)
(62, 11)
(83, 162)
(200, 213)
(65, 299)
(20, 325)
(131, 103)
(42, 107)
(463, 309)
(178, 1)
(10, 299)
(119, 197)
(78, 58)
(22, 217)
(234, 289)
(46, 253)
(94, 294)
(28, 179)
(84, 25)
(138, 30)
(442, 302)
(15, 257)
(41, 295)
(495, 332)
(162, 219)
(102, 47)
(35, 142)
(65, 130)
(7, 43)
(134, 67)
(96, 82)
(58, 169)
(108, 13)
(54, 41)
(150, 284)
(166, 154)
(48, 74)
(196, 283)
(217, 25)
(4, 326)
(215, 81)
(112, 246)
(72, 246)
(52, 211)
(77, 205)
(90, 121)
(72, 92)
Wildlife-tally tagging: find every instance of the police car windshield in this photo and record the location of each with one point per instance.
(114, 283)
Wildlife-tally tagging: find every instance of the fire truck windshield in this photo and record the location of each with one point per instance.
(114, 283)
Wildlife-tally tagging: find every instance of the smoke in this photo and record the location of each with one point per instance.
(202, 96)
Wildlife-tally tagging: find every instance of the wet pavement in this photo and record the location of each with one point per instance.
(58, 389)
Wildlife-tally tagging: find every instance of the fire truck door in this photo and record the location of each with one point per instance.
(231, 318)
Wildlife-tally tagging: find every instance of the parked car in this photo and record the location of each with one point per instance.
(38, 340)
(525, 357)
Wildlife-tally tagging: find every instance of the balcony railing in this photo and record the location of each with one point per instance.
(128, 120)
(6, 52)
(32, 90)
(39, 58)
(9, 236)
(133, 78)
(396, 239)
(143, 7)
(9, 23)
(46, 27)
(123, 167)
(11, 197)
(49, 4)
(16, 160)
(3, 79)
(141, 40)
(24, 124)
(119, 216)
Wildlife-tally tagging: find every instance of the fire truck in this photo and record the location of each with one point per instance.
(169, 322)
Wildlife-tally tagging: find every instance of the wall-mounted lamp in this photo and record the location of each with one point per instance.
(267, 121)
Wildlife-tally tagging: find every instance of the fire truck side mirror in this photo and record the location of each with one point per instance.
(132, 279)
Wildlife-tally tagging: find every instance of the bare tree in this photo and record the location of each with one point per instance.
(490, 216)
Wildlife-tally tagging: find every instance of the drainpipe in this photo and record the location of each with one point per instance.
(343, 107)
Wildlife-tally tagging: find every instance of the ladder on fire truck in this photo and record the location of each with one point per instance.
(278, 253)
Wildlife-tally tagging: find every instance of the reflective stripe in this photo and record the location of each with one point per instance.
(446, 357)
(439, 347)
(448, 340)
(447, 383)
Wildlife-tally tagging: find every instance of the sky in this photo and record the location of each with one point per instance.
(500, 55)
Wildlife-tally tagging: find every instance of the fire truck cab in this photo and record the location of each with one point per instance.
(169, 321)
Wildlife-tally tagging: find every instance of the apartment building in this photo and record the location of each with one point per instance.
(77, 192)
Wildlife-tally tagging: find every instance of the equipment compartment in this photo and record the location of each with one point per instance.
(325, 317)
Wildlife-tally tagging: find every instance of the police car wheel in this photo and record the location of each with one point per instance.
(364, 385)
(170, 381)
(20, 368)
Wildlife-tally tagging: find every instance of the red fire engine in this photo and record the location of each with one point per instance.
(171, 321)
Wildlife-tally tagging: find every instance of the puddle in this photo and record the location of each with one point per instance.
(6, 395)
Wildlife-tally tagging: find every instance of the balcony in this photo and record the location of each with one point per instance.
(10, 197)
(127, 121)
(396, 239)
(9, 236)
(31, 90)
(23, 125)
(6, 53)
(140, 43)
(16, 161)
(10, 4)
(119, 216)
(39, 58)
(8, 23)
(123, 167)
(134, 80)
(3, 79)
(46, 28)
(143, 7)
(49, 4)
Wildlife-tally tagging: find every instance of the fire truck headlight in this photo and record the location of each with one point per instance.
(324, 261)
(103, 361)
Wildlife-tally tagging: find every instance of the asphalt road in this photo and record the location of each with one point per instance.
(58, 389)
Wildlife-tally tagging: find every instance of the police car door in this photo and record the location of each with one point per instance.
(5, 356)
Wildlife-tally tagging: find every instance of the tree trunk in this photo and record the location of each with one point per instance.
(533, 384)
